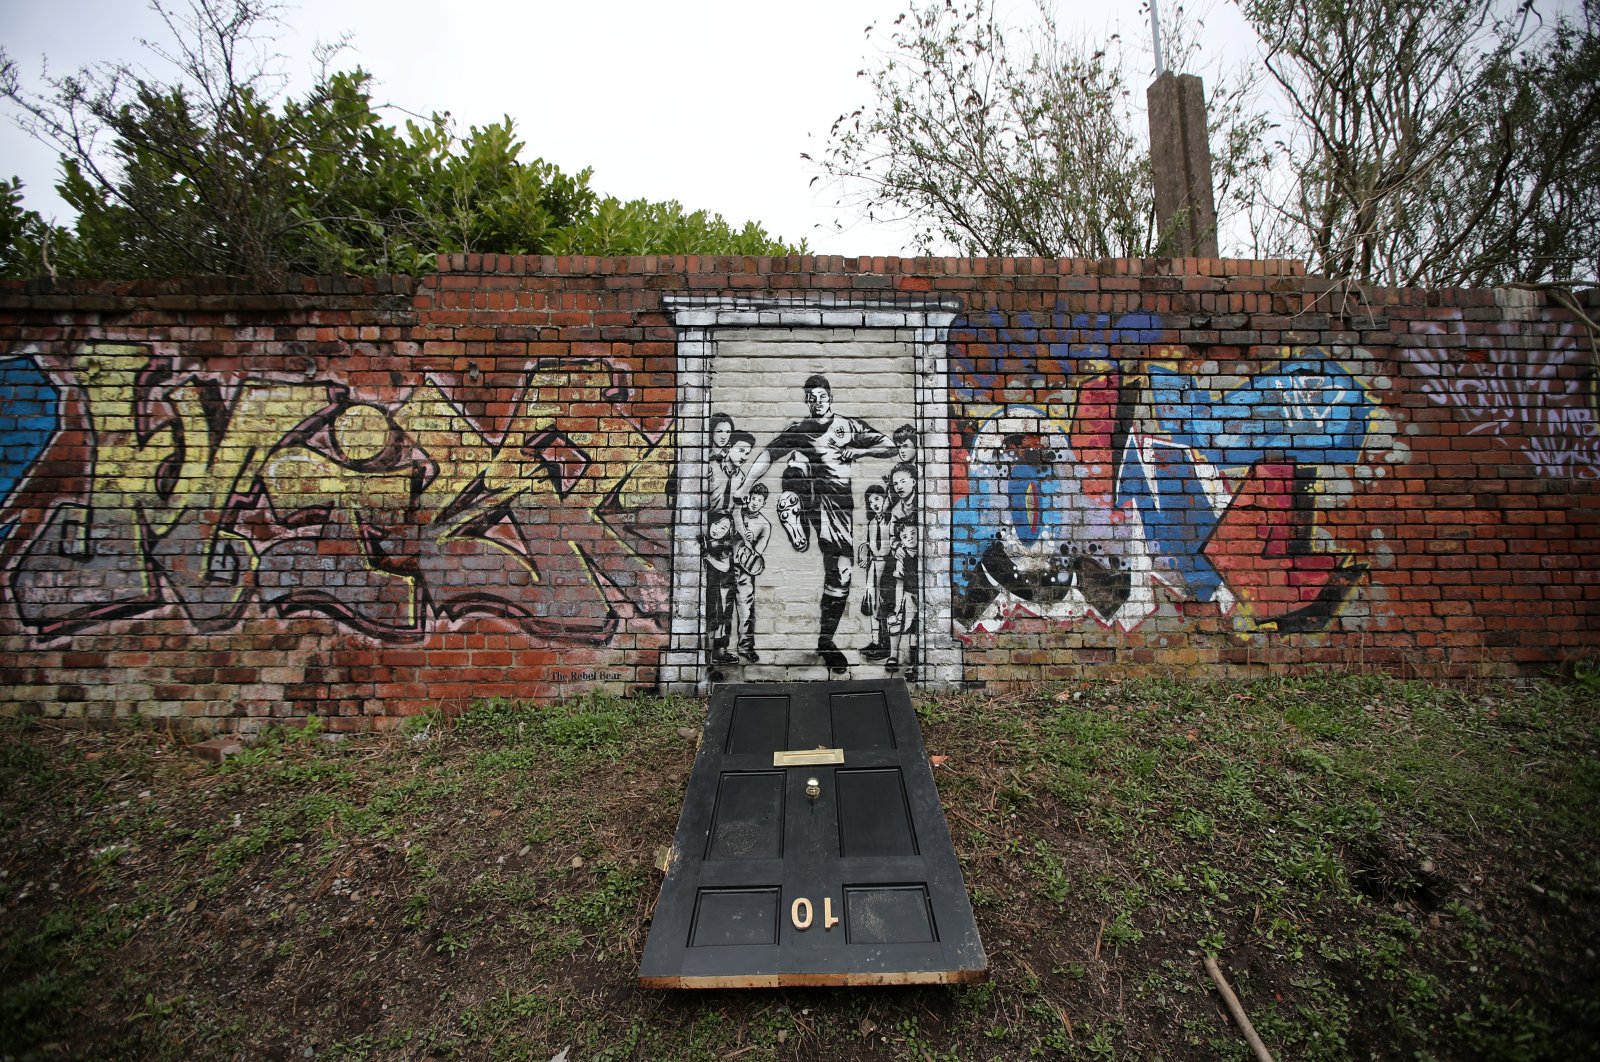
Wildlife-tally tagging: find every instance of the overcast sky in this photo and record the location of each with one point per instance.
(704, 101)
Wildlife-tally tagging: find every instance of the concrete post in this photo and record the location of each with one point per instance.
(1180, 156)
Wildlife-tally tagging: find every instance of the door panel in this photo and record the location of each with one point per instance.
(735, 917)
(747, 822)
(759, 724)
(861, 720)
(874, 817)
(889, 914)
(856, 883)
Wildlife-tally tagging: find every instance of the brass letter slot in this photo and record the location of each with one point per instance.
(817, 757)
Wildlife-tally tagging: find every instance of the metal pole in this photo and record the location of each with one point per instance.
(1155, 35)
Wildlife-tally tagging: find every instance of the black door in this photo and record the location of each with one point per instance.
(774, 880)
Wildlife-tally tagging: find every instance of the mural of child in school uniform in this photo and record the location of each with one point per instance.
(726, 543)
(726, 464)
(874, 557)
(752, 530)
(906, 575)
(903, 493)
(716, 551)
(717, 457)
(897, 587)
(905, 445)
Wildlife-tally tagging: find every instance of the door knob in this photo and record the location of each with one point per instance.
(813, 788)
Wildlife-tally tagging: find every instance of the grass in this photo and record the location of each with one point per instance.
(1384, 869)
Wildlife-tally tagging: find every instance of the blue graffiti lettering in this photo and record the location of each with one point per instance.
(28, 420)
(1311, 411)
(1178, 518)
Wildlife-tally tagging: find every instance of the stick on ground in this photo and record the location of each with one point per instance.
(1237, 1011)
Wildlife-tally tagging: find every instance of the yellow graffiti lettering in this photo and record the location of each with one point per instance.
(127, 469)
(368, 512)
(124, 465)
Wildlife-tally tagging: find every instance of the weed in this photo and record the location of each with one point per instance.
(1121, 930)
(152, 1008)
(978, 997)
(1195, 824)
(450, 944)
(616, 891)
(1052, 874)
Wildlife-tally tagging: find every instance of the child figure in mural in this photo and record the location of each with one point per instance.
(903, 487)
(899, 596)
(907, 582)
(816, 500)
(725, 461)
(905, 444)
(752, 530)
(875, 557)
(721, 435)
(716, 550)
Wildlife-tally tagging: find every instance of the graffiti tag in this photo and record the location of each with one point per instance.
(301, 498)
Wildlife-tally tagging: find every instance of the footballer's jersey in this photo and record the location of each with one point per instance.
(825, 450)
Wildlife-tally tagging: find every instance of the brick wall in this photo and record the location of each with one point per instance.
(530, 477)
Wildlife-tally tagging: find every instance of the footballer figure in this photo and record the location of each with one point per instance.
(816, 500)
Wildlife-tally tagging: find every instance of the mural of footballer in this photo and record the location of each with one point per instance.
(816, 500)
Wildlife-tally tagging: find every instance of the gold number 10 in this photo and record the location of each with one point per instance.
(800, 913)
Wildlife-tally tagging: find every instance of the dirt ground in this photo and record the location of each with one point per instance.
(1383, 869)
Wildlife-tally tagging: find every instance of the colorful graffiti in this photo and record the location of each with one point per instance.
(1087, 491)
(564, 478)
(28, 420)
(1549, 399)
(388, 516)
